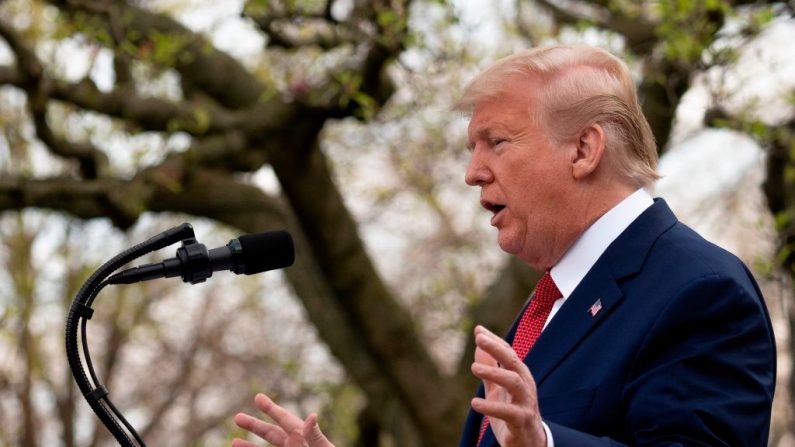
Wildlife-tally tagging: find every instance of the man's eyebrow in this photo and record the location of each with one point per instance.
(483, 132)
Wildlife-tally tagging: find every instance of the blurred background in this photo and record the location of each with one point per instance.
(332, 119)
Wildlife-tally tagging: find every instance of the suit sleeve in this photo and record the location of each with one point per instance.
(704, 374)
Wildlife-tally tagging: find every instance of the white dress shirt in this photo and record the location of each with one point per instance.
(579, 259)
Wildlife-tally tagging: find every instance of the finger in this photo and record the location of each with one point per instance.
(242, 443)
(479, 329)
(266, 431)
(312, 433)
(483, 334)
(311, 430)
(510, 414)
(501, 351)
(286, 420)
(296, 439)
(482, 356)
(512, 382)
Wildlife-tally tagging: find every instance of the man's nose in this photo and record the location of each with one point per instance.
(477, 172)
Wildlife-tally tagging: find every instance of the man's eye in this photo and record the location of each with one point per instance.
(497, 141)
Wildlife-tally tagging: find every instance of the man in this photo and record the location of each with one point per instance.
(640, 332)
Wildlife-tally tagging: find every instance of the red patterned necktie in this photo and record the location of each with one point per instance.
(531, 324)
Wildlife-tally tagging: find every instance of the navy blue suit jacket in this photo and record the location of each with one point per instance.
(681, 353)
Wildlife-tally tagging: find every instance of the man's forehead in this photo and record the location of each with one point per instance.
(482, 124)
(498, 112)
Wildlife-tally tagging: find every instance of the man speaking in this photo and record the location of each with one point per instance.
(640, 332)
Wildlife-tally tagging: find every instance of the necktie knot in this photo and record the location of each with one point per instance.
(546, 290)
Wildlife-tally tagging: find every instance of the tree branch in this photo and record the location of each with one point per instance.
(215, 73)
(10, 75)
(91, 160)
(155, 114)
(198, 62)
(182, 378)
(298, 28)
(563, 15)
(637, 29)
(293, 27)
(84, 199)
(22, 273)
(29, 65)
(121, 60)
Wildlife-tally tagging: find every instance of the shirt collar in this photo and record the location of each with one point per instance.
(579, 259)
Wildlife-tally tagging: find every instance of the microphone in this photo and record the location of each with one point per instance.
(248, 254)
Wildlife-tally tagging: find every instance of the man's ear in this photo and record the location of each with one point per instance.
(590, 148)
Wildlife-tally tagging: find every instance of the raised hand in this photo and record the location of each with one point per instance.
(511, 402)
(289, 430)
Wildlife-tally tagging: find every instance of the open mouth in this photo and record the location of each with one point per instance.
(493, 207)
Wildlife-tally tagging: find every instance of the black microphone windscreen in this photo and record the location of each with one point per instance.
(266, 251)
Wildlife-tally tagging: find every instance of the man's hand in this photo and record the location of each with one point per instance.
(289, 430)
(511, 402)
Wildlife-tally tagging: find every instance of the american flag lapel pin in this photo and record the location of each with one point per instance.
(595, 308)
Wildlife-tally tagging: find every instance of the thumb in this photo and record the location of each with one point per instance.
(312, 433)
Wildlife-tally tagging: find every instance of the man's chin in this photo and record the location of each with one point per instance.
(508, 243)
(513, 246)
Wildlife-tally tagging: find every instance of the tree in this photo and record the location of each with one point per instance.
(324, 66)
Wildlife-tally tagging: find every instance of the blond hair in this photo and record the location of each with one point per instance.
(582, 85)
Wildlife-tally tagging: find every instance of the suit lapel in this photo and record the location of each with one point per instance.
(598, 293)
(573, 322)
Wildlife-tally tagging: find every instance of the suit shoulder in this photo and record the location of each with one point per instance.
(684, 252)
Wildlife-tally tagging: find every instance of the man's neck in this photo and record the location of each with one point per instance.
(587, 249)
(590, 206)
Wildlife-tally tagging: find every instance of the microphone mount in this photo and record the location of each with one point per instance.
(192, 263)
